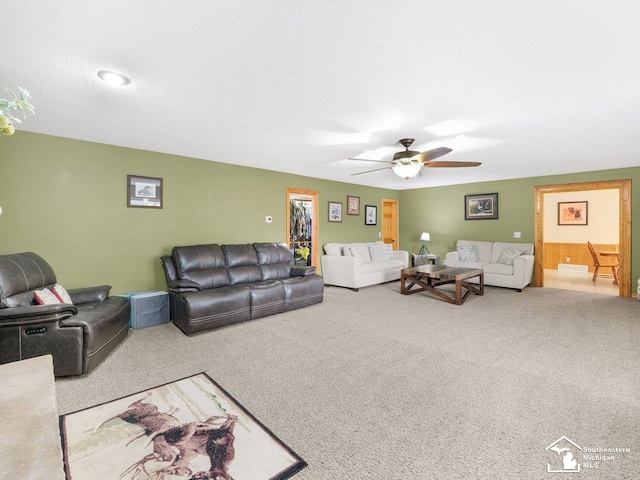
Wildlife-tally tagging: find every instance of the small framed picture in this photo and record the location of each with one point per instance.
(370, 215)
(353, 205)
(144, 192)
(335, 211)
(483, 206)
(573, 213)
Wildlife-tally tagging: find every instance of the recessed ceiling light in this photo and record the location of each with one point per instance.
(113, 78)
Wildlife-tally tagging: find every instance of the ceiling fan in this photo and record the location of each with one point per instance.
(407, 164)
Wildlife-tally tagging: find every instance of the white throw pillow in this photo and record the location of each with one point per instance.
(508, 255)
(389, 248)
(378, 252)
(45, 297)
(351, 252)
(468, 253)
(62, 295)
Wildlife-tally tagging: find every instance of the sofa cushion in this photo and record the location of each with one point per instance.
(361, 251)
(240, 255)
(468, 253)
(21, 273)
(242, 263)
(334, 248)
(498, 268)
(470, 265)
(275, 260)
(374, 267)
(378, 252)
(347, 251)
(203, 264)
(499, 247)
(483, 249)
(508, 255)
(273, 253)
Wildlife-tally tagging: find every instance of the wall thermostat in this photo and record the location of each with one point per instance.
(268, 219)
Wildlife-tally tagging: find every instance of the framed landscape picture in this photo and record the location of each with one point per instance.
(482, 206)
(573, 213)
(335, 211)
(370, 215)
(353, 205)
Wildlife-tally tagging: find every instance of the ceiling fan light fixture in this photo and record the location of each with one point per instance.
(407, 170)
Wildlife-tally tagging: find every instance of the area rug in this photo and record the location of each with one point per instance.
(188, 429)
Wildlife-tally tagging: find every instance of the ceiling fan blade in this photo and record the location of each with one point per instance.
(432, 154)
(369, 171)
(452, 164)
(367, 160)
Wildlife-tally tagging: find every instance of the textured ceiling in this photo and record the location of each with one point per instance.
(528, 88)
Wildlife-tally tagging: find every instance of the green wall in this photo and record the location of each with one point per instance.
(66, 200)
(440, 211)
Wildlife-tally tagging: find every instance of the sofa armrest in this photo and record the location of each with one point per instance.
(302, 271)
(402, 255)
(452, 258)
(340, 271)
(34, 314)
(523, 269)
(97, 294)
(183, 286)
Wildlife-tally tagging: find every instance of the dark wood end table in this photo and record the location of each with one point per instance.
(429, 277)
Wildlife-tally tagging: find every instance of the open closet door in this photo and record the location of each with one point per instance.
(302, 226)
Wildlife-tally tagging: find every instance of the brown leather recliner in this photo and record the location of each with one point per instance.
(78, 336)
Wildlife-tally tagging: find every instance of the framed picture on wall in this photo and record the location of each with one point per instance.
(335, 211)
(144, 192)
(370, 215)
(573, 213)
(483, 206)
(353, 205)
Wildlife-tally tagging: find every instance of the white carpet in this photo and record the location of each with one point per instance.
(376, 385)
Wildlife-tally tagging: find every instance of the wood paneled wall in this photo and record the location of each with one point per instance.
(555, 253)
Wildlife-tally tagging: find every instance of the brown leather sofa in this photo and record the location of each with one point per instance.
(211, 286)
(78, 336)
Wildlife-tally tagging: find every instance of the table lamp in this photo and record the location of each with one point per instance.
(425, 237)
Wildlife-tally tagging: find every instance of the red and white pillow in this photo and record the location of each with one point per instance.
(62, 294)
(48, 297)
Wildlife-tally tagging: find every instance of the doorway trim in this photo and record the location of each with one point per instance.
(315, 231)
(624, 190)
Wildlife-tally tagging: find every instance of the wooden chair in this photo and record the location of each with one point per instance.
(597, 264)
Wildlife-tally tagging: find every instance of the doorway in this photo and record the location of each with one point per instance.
(390, 222)
(303, 228)
(623, 188)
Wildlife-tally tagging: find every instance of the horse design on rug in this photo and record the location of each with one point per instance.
(179, 443)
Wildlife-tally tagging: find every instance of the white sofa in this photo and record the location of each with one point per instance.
(505, 264)
(356, 265)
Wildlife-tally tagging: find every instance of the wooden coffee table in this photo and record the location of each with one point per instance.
(429, 277)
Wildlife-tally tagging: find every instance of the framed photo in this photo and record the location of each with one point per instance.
(370, 215)
(144, 192)
(353, 205)
(483, 206)
(573, 213)
(335, 211)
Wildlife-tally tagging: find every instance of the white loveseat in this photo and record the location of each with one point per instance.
(356, 265)
(505, 264)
